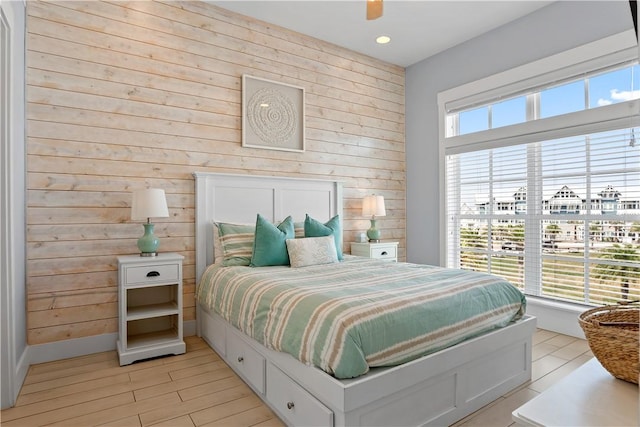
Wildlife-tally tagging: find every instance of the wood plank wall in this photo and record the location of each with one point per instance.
(128, 95)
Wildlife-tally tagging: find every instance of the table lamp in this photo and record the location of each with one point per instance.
(147, 204)
(373, 206)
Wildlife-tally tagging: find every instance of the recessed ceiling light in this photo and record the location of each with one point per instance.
(383, 39)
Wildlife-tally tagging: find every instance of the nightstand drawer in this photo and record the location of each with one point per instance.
(385, 251)
(382, 252)
(151, 274)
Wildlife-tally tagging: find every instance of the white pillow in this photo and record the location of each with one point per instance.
(312, 251)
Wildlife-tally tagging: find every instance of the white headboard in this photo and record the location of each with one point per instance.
(238, 198)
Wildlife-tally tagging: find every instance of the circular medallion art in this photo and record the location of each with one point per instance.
(272, 116)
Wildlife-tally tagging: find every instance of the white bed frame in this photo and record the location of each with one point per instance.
(437, 389)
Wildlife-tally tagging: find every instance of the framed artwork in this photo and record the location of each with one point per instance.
(272, 115)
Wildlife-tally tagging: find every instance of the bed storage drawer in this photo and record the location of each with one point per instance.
(293, 403)
(246, 361)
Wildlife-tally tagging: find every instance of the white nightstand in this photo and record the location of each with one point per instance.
(387, 251)
(150, 306)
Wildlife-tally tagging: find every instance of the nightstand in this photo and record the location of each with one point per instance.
(387, 251)
(149, 306)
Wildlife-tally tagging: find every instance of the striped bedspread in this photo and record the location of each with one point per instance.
(360, 313)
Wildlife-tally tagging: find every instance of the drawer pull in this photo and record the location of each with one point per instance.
(240, 359)
(384, 253)
(290, 405)
(153, 274)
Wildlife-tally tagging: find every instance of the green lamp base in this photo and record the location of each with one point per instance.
(148, 243)
(373, 233)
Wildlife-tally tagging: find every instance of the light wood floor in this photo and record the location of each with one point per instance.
(198, 389)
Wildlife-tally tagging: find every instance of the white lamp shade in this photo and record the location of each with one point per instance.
(149, 203)
(373, 206)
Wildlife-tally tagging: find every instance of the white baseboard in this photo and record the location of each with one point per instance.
(189, 328)
(556, 316)
(22, 368)
(49, 352)
(14, 385)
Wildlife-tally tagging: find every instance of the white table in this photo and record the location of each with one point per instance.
(589, 396)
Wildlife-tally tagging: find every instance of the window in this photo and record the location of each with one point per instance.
(575, 228)
(594, 91)
(562, 99)
(551, 203)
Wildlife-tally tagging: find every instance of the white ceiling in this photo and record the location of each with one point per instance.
(418, 28)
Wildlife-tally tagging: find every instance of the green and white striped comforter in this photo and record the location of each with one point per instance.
(347, 317)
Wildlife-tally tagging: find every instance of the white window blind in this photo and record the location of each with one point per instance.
(541, 174)
(558, 218)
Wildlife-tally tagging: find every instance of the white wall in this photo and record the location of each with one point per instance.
(12, 251)
(552, 29)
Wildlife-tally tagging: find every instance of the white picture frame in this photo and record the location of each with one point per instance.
(273, 115)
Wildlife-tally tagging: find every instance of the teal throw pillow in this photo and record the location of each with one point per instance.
(269, 245)
(314, 228)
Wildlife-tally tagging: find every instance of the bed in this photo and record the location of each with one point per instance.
(438, 388)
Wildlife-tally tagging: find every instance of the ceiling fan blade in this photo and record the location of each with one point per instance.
(374, 9)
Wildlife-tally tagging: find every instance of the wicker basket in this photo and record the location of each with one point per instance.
(612, 333)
